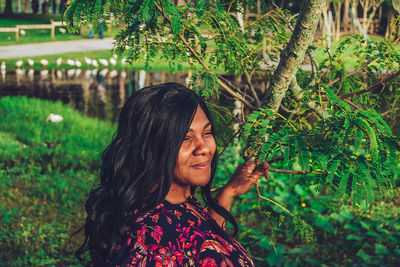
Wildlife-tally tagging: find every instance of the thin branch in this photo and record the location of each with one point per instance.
(387, 112)
(352, 104)
(297, 91)
(355, 71)
(314, 65)
(290, 171)
(285, 109)
(231, 139)
(251, 87)
(237, 89)
(373, 87)
(224, 111)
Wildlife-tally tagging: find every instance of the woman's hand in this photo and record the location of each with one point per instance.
(245, 176)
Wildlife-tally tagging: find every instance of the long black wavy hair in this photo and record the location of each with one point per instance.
(137, 167)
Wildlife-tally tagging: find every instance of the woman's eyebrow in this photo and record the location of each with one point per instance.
(204, 127)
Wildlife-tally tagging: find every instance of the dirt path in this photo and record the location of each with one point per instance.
(50, 48)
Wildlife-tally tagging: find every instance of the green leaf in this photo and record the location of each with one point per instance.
(346, 214)
(334, 166)
(363, 255)
(381, 249)
(354, 237)
(303, 154)
(299, 190)
(323, 223)
(343, 183)
(337, 217)
(365, 225)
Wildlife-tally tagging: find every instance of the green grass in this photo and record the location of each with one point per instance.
(43, 189)
(40, 35)
(19, 19)
(78, 139)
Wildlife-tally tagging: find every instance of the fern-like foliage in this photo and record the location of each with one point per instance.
(351, 151)
(163, 29)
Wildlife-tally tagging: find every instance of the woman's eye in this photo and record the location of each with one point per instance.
(208, 133)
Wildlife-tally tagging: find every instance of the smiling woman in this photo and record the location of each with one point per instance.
(144, 213)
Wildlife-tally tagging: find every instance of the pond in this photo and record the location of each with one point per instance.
(97, 93)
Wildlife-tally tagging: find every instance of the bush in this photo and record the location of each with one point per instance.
(321, 230)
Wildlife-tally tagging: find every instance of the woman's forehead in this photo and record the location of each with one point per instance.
(200, 120)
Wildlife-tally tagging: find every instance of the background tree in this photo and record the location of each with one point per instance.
(8, 8)
(35, 6)
(327, 123)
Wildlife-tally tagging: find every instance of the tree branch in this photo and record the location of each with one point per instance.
(203, 64)
(293, 54)
(373, 87)
(387, 112)
(297, 91)
(354, 72)
(251, 87)
(291, 58)
(290, 171)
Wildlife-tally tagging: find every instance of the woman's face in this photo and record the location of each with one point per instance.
(193, 165)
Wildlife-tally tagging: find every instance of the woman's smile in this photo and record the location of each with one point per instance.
(202, 165)
(193, 164)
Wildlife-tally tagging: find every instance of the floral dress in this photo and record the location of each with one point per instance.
(179, 235)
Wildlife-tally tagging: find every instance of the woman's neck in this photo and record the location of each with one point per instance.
(177, 194)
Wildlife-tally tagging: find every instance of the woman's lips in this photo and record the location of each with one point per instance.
(202, 166)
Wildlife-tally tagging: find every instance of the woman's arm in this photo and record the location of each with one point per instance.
(245, 176)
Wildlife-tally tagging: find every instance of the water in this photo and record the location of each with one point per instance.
(98, 94)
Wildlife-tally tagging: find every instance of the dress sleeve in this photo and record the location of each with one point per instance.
(213, 253)
(210, 258)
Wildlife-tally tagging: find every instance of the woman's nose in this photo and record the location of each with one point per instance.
(202, 147)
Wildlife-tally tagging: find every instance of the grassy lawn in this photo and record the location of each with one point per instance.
(20, 19)
(40, 35)
(42, 189)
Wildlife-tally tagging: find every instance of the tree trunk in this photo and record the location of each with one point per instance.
(54, 6)
(389, 24)
(35, 6)
(291, 58)
(63, 3)
(346, 19)
(8, 9)
(338, 11)
(293, 55)
(26, 6)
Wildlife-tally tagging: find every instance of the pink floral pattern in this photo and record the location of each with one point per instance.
(174, 235)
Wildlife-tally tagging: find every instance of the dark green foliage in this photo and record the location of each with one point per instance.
(336, 231)
(362, 150)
